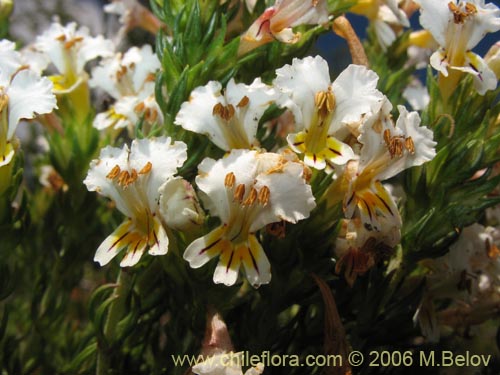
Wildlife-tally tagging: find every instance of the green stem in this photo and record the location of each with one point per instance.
(116, 310)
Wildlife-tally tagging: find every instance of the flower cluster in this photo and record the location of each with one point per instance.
(221, 155)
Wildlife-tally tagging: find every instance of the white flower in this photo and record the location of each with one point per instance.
(226, 364)
(247, 190)
(229, 119)
(387, 150)
(416, 95)
(23, 95)
(385, 15)
(132, 14)
(132, 179)
(277, 21)
(69, 49)
(458, 26)
(358, 248)
(471, 266)
(322, 108)
(129, 79)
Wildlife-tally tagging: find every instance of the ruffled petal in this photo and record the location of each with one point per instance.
(29, 95)
(356, 93)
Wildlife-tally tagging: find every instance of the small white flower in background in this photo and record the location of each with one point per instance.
(322, 108)
(358, 248)
(132, 14)
(472, 265)
(247, 190)
(133, 179)
(276, 22)
(387, 149)
(458, 26)
(385, 16)
(23, 95)
(230, 118)
(69, 49)
(130, 80)
(416, 95)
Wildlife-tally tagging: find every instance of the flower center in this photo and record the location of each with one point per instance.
(231, 126)
(397, 144)
(245, 205)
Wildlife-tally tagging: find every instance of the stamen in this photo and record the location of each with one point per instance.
(70, 43)
(239, 193)
(224, 112)
(252, 197)
(120, 73)
(61, 38)
(230, 180)
(325, 102)
(123, 178)
(114, 172)
(243, 102)
(459, 16)
(410, 146)
(4, 100)
(146, 168)
(133, 177)
(139, 107)
(264, 195)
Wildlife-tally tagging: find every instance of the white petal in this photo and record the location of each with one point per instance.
(197, 116)
(227, 275)
(29, 95)
(435, 16)
(299, 12)
(416, 94)
(113, 244)
(92, 48)
(161, 245)
(258, 270)
(201, 250)
(211, 176)
(290, 198)
(409, 124)
(385, 34)
(356, 93)
(484, 78)
(96, 179)
(133, 254)
(486, 20)
(439, 62)
(143, 62)
(260, 98)
(164, 156)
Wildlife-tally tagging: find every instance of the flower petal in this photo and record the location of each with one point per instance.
(201, 250)
(256, 264)
(114, 243)
(29, 95)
